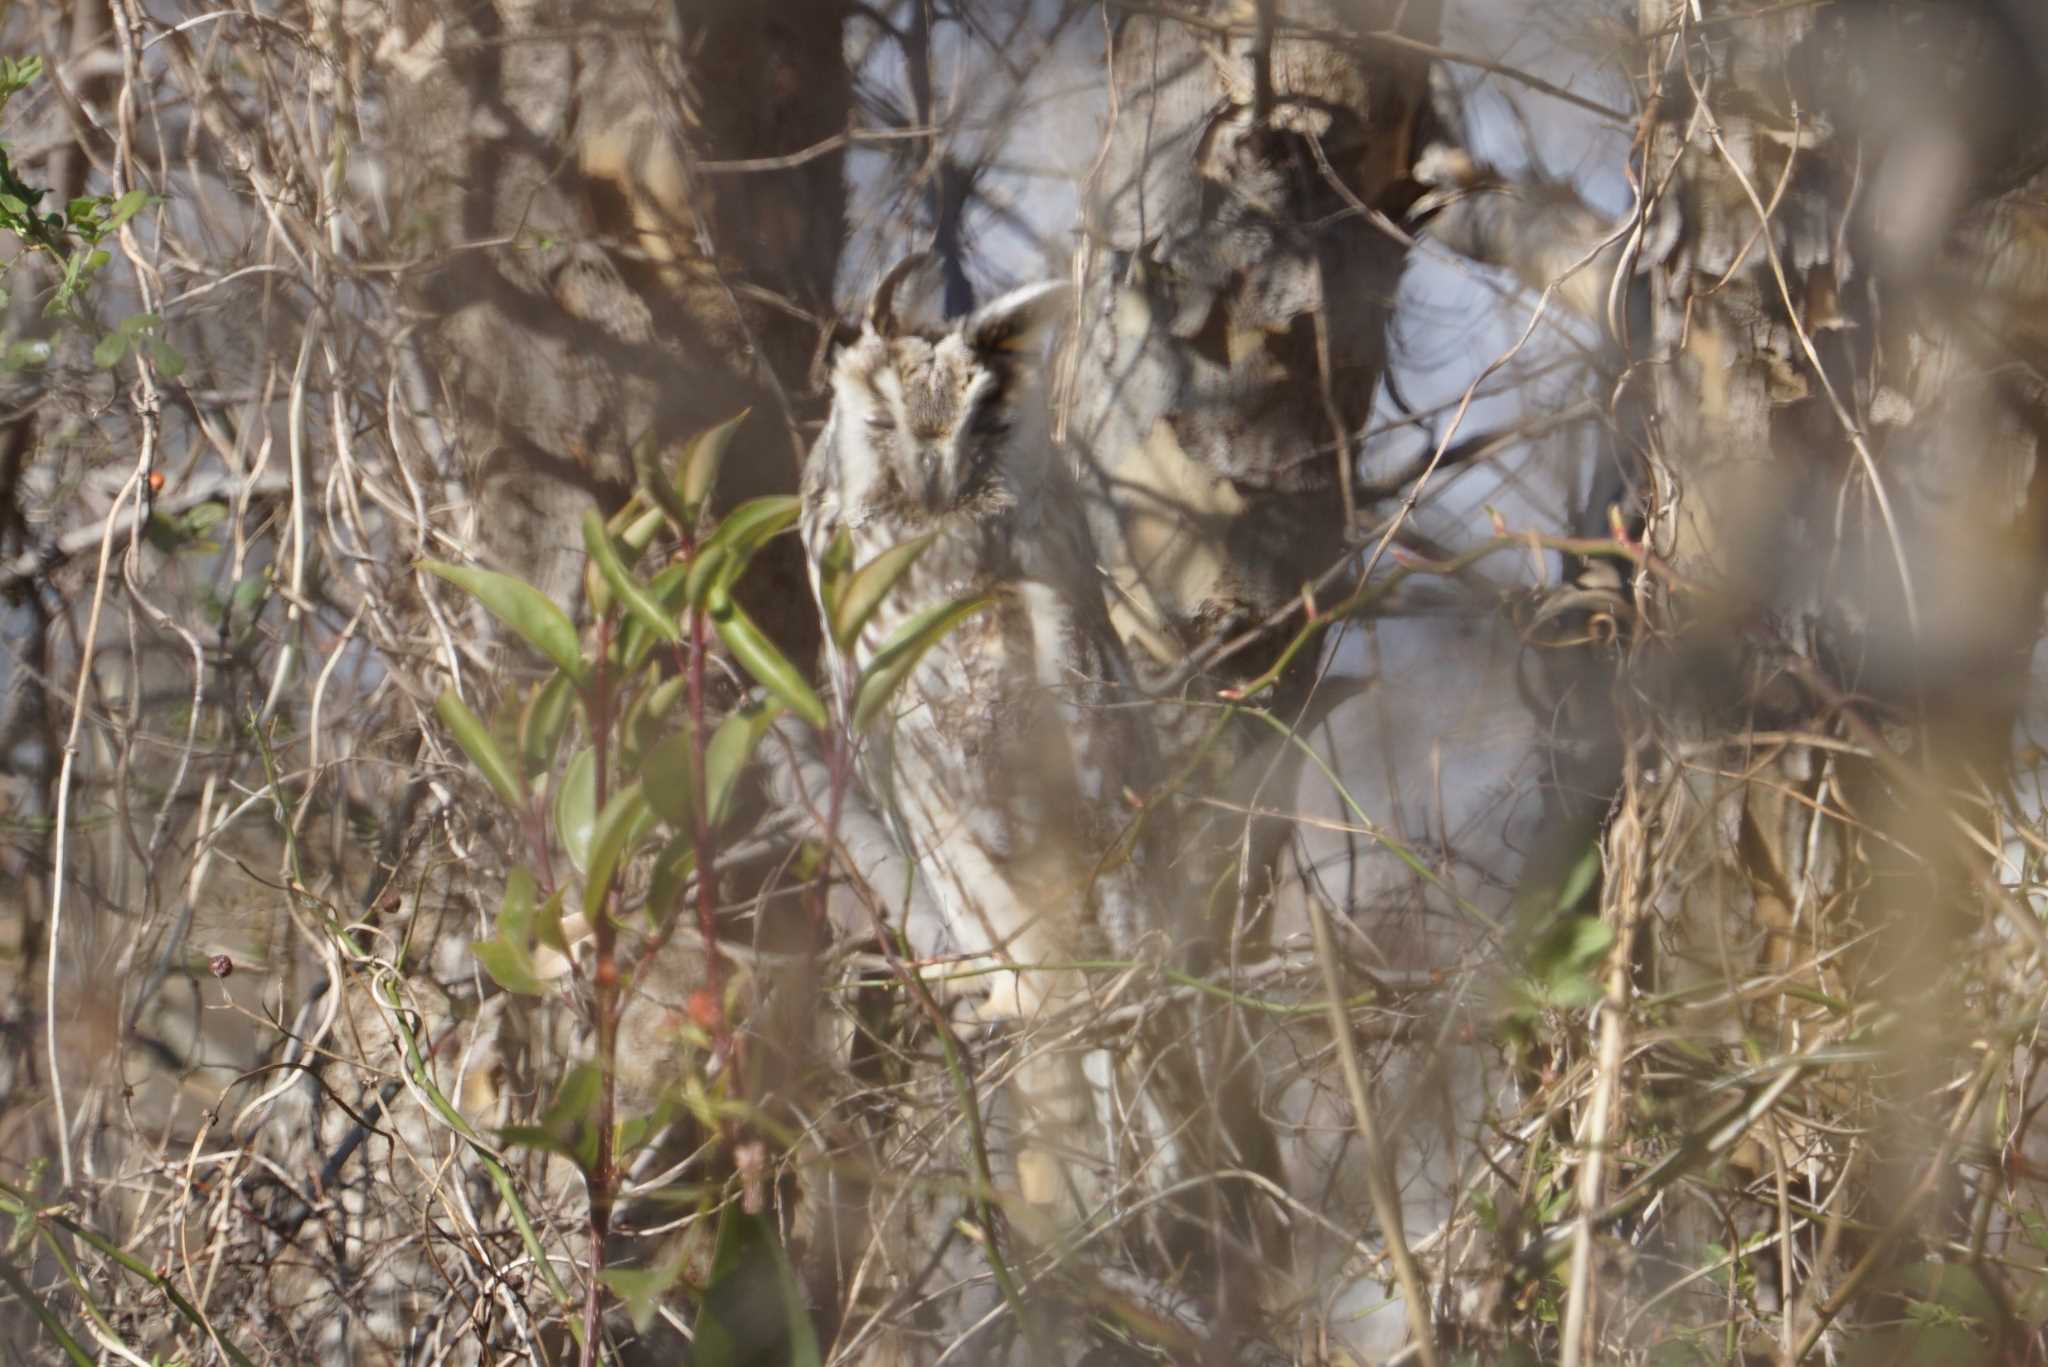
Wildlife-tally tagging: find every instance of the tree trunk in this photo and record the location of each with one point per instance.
(640, 212)
(1236, 294)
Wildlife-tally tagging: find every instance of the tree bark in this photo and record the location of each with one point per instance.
(613, 260)
(1235, 300)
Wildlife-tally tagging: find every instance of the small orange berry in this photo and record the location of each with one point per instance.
(705, 1011)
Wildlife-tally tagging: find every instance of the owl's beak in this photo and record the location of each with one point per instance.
(931, 464)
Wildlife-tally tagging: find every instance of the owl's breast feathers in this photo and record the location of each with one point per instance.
(1007, 751)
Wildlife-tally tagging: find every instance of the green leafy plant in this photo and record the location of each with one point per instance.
(140, 331)
(73, 239)
(622, 786)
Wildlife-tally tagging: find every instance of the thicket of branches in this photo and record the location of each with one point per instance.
(1597, 658)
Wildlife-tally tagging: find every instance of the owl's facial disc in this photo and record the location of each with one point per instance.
(936, 412)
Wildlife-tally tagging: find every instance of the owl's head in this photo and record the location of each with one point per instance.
(950, 414)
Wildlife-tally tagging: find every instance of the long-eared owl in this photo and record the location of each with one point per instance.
(1004, 759)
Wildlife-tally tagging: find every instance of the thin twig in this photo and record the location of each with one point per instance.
(1386, 1202)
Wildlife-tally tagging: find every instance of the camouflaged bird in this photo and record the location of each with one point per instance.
(1003, 758)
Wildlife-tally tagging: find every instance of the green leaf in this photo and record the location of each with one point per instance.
(666, 774)
(629, 591)
(170, 362)
(645, 725)
(624, 819)
(508, 956)
(172, 536)
(713, 1344)
(165, 534)
(124, 208)
(636, 643)
(642, 1288)
(522, 607)
(33, 351)
(731, 746)
(1587, 940)
(666, 777)
(697, 471)
(632, 643)
(510, 967)
(1564, 962)
(833, 568)
(707, 569)
(1580, 882)
(664, 696)
(638, 533)
(759, 657)
(803, 1335)
(201, 516)
(570, 1125)
(21, 73)
(249, 592)
(750, 526)
(576, 807)
(893, 662)
(547, 924)
(482, 748)
(870, 584)
(660, 489)
(747, 528)
(543, 721)
(672, 870)
(666, 587)
(747, 1258)
(108, 351)
(637, 1131)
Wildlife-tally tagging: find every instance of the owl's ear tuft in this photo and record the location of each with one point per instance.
(1019, 319)
(881, 318)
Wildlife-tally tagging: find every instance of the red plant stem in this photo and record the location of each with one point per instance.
(707, 855)
(600, 1180)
